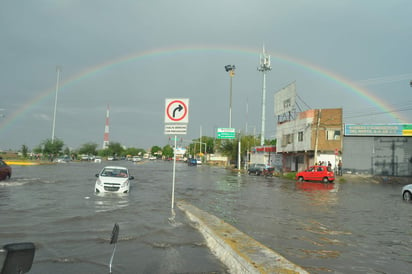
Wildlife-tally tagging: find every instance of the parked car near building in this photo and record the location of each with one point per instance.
(317, 173)
(407, 192)
(256, 169)
(5, 170)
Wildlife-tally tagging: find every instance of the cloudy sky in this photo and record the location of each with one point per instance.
(133, 55)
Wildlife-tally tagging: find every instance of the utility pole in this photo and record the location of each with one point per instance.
(315, 157)
(55, 103)
(264, 66)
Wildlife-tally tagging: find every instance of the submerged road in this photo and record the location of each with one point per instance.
(350, 227)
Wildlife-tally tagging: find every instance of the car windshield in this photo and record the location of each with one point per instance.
(114, 172)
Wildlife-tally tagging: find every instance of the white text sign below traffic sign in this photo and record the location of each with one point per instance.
(226, 133)
(175, 129)
(177, 111)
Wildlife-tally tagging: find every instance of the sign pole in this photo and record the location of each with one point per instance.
(174, 174)
(176, 119)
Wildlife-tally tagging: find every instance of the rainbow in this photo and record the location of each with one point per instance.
(162, 52)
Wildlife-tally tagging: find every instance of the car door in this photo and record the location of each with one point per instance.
(310, 174)
(318, 174)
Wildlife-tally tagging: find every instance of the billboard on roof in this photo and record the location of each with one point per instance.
(285, 99)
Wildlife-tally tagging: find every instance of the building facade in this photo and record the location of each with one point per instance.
(383, 150)
(265, 155)
(314, 136)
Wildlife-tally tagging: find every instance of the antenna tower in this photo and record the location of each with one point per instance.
(106, 130)
(263, 67)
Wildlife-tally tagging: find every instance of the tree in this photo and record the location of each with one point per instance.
(230, 147)
(208, 144)
(66, 151)
(38, 149)
(168, 151)
(155, 149)
(88, 149)
(24, 150)
(115, 149)
(52, 147)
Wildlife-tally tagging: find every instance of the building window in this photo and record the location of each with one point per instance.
(300, 136)
(287, 139)
(290, 138)
(284, 141)
(332, 134)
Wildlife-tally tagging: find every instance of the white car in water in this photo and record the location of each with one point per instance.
(113, 179)
(407, 192)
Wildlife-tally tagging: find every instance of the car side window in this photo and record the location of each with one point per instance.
(320, 168)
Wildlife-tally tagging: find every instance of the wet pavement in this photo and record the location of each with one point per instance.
(347, 227)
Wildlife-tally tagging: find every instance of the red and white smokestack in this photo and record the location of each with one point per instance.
(106, 130)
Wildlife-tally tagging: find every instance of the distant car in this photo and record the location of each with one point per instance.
(63, 159)
(113, 179)
(5, 170)
(317, 173)
(407, 192)
(98, 159)
(84, 157)
(136, 159)
(256, 169)
(191, 162)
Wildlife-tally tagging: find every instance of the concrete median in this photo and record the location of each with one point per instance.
(239, 252)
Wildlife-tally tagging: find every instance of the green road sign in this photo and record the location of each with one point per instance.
(226, 133)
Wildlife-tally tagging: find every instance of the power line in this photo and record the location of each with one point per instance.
(377, 113)
(385, 79)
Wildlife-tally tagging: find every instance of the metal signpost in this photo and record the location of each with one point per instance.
(176, 119)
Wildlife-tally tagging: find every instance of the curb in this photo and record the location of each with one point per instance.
(239, 252)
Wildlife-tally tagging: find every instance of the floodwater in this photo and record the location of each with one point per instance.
(325, 228)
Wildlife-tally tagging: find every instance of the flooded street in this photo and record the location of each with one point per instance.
(334, 228)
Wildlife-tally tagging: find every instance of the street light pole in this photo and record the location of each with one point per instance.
(231, 70)
(55, 103)
(263, 67)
